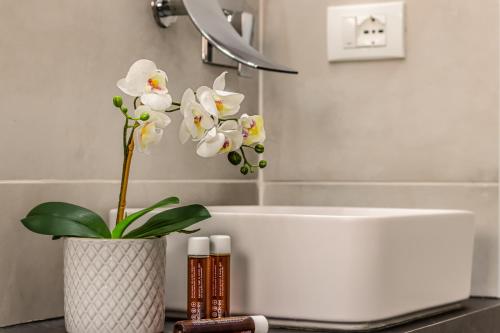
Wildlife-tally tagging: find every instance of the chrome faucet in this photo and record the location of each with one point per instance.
(229, 32)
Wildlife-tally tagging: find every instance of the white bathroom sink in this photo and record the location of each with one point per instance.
(329, 267)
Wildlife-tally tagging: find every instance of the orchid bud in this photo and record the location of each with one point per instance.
(234, 158)
(244, 170)
(124, 109)
(144, 116)
(259, 149)
(262, 164)
(118, 101)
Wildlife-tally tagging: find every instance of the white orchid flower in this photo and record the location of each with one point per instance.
(217, 101)
(252, 129)
(220, 140)
(150, 131)
(197, 121)
(146, 81)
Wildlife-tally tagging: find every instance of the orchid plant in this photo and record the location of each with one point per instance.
(209, 119)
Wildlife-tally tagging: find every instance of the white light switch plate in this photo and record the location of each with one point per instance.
(366, 32)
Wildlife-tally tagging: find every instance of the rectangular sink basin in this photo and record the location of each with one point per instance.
(331, 267)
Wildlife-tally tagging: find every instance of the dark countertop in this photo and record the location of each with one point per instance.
(480, 315)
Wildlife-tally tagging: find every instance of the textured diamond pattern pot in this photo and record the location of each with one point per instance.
(113, 286)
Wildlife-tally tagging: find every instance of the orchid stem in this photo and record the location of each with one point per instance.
(244, 156)
(125, 131)
(122, 202)
(128, 148)
(245, 160)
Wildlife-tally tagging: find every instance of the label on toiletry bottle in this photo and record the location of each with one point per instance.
(219, 290)
(251, 324)
(197, 287)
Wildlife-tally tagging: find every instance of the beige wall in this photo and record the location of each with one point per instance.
(61, 137)
(419, 132)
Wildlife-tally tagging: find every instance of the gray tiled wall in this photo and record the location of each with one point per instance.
(419, 132)
(61, 137)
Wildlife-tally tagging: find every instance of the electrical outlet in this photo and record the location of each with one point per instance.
(366, 32)
(371, 31)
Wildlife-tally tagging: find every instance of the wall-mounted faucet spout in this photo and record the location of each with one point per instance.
(212, 22)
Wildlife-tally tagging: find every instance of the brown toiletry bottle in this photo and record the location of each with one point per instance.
(198, 277)
(220, 257)
(251, 324)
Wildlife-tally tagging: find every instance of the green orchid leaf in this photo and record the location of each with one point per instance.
(58, 227)
(126, 222)
(172, 220)
(172, 216)
(175, 215)
(166, 230)
(73, 213)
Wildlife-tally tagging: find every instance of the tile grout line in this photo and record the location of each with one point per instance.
(260, 97)
(379, 183)
(498, 206)
(135, 181)
(245, 181)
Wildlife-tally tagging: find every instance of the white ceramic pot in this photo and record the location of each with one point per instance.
(113, 286)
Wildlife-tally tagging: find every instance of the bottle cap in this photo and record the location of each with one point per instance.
(198, 246)
(220, 244)
(261, 324)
